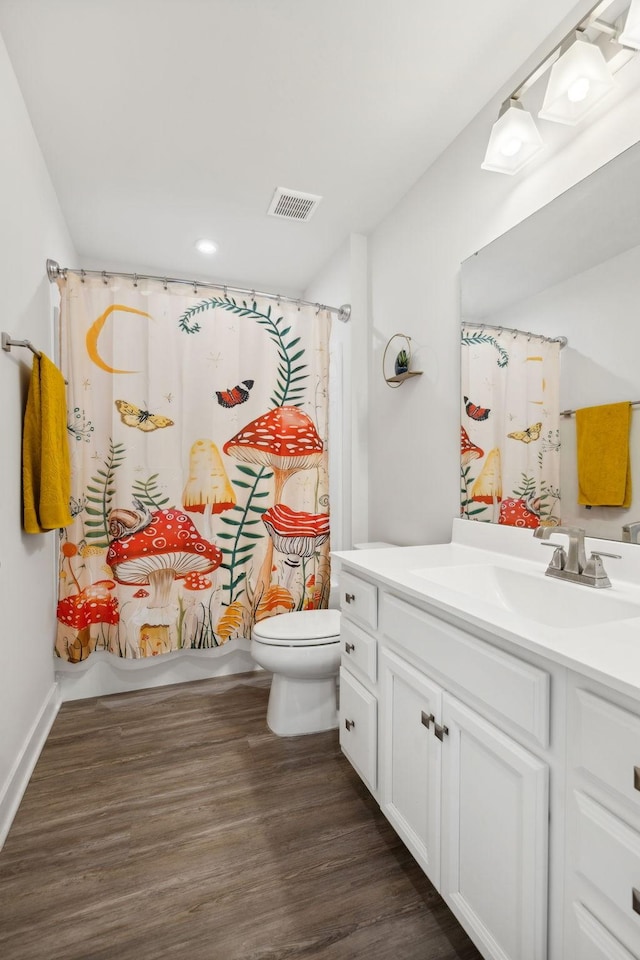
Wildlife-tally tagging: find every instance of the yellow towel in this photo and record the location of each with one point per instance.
(46, 469)
(604, 465)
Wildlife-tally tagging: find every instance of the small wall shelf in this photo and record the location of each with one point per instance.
(398, 379)
(404, 376)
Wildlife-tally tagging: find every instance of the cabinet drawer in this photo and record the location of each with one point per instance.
(359, 650)
(359, 727)
(607, 744)
(359, 600)
(608, 856)
(593, 941)
(508, 686)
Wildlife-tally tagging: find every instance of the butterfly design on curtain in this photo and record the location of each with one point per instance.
(527, 435)
(238, 394)
(475, 412)
(133, 416)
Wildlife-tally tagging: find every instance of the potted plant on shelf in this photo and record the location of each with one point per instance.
(402, 363)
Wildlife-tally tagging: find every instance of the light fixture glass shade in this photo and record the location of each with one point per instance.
(579, 79)
(630, 36)
(514, 140)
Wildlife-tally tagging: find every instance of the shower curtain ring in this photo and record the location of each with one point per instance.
(165, 284)
(105, 279)
(195, 288)
(135, 279)
(82, 276)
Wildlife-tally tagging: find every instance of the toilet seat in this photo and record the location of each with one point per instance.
(304, 628)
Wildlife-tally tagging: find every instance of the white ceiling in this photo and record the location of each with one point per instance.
(163, 121)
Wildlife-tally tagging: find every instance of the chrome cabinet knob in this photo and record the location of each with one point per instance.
(348, 647)
(349, 597)
(349, 724)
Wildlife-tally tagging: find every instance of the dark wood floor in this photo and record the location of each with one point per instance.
(172, 824)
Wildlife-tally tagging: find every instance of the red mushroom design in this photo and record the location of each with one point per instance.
(92, 605)
(515, 513)
(468, 450)
(295, 533)
(284, 439)
(169, 548)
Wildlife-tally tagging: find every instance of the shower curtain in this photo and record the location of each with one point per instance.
(510, 428)
(198, 435)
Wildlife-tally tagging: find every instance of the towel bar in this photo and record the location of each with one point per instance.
(8, 342)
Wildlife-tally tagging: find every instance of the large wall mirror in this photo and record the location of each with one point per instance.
(572, 270)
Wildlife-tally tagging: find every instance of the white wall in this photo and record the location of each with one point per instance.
(31, 230)
(415, 255)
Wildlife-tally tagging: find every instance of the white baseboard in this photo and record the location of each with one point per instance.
(23, 768)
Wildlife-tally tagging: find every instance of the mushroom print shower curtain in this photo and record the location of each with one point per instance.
(198, 435)
(510, 419)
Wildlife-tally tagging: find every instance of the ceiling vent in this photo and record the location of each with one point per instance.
(293, 205)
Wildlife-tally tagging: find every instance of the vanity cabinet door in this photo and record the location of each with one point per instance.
(495, 809)
(410, 759)
(359, 727)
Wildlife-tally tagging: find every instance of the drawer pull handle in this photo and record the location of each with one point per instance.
(636, 778)
(349, 724)
(348, 647)
(426, 719)
(635, 899)
(349, 597)
(441, 731)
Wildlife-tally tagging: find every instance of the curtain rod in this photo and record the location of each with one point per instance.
(569, 413)
(563, 341)
(55, 272)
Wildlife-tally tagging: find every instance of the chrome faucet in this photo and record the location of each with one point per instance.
(573, 565)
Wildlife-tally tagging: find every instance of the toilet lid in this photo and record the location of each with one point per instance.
(303, 628)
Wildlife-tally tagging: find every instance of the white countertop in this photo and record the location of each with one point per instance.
(606, 651)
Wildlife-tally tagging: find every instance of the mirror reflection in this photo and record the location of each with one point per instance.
(572, 270)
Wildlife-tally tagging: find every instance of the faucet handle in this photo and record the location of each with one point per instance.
(559, 558)
(594, 569)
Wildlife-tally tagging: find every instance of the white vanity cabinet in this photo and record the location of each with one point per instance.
(469, 801)
(358, 714)
(603, 824)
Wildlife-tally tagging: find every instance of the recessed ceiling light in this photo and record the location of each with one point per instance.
(206, 246)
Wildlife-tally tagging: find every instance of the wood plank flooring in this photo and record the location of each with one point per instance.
(172, 824)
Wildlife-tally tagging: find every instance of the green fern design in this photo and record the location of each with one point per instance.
(478, 338)
(527, 489)
(290, 387)
(100, 496)
(148, 493)
(237, 552)
(468, 506)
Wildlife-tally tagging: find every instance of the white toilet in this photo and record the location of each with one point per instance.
(302, 651)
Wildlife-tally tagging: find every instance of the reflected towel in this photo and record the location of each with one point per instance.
(604, 465)
(46, 469)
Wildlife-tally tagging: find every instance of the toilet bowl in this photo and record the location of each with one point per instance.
(302, 651)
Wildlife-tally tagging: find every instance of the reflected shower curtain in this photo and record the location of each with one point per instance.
(510, 419)
(198, 436)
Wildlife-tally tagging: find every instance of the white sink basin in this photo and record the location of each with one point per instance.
(532, 595)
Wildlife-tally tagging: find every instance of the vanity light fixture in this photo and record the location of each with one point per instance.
(579, 79)
(514, 139)
(580, 70)
(208, 247)
(630, 36)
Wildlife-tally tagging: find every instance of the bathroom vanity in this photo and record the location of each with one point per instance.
(494, 714)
